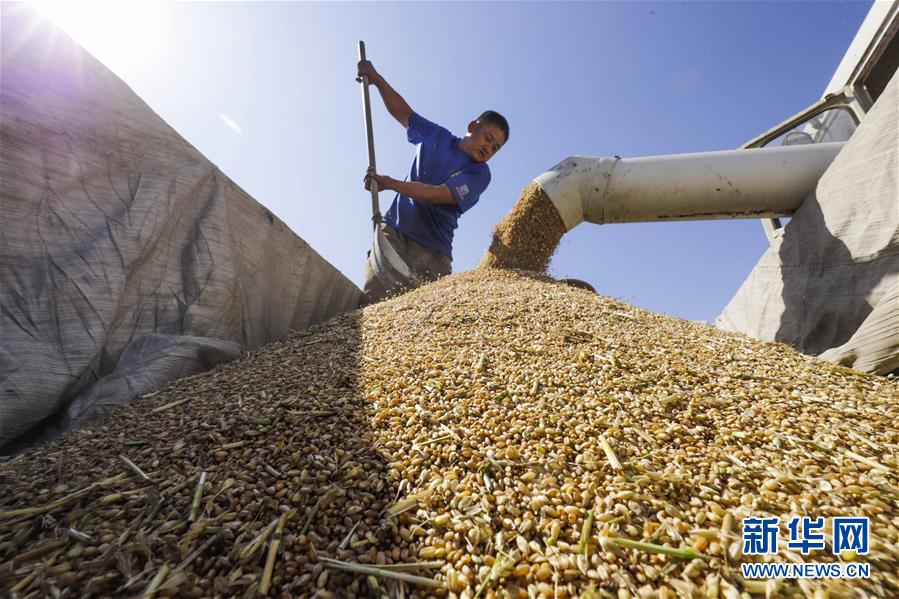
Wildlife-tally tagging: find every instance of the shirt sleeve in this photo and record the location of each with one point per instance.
(421, 128)
(467, 185)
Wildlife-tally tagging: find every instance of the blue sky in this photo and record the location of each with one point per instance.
(266, 91)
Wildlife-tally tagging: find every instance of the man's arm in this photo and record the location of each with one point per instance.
(432, 194)
(396, 105)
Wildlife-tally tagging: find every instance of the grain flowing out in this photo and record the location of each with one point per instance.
(526, 237)
(491, 434)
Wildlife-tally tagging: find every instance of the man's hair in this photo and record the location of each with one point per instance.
(496, 119)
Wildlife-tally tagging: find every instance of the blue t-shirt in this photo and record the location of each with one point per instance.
(438, 161)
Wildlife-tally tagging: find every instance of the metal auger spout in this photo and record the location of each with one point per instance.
(754, 183)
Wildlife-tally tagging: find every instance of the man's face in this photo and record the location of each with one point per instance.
(482, 141)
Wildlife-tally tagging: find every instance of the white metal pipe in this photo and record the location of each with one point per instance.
(754, 183)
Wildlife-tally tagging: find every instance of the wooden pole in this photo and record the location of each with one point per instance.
(366, 104)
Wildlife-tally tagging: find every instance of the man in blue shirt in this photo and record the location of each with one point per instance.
(447, 178)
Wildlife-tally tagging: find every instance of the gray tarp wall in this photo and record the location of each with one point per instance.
(830, 284)
(127, 259)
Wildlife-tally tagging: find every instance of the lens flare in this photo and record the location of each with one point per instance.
(120, 34)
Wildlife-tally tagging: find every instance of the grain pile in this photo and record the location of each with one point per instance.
(510, 435)
(528, 235)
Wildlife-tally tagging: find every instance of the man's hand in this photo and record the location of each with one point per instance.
(366, 69)
(383, 182)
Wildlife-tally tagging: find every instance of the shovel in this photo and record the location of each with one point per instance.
(390, 268)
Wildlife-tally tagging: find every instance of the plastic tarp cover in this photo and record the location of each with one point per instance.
(127, 259)
(830, 284)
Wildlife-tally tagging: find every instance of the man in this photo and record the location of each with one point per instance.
(447, 178)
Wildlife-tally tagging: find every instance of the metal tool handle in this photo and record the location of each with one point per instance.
(366, 104)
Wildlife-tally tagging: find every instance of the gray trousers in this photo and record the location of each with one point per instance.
(427, 264)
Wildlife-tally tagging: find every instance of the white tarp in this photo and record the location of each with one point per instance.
(127, 259)
(830, 284)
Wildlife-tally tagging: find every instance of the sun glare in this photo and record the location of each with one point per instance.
(118, 33)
